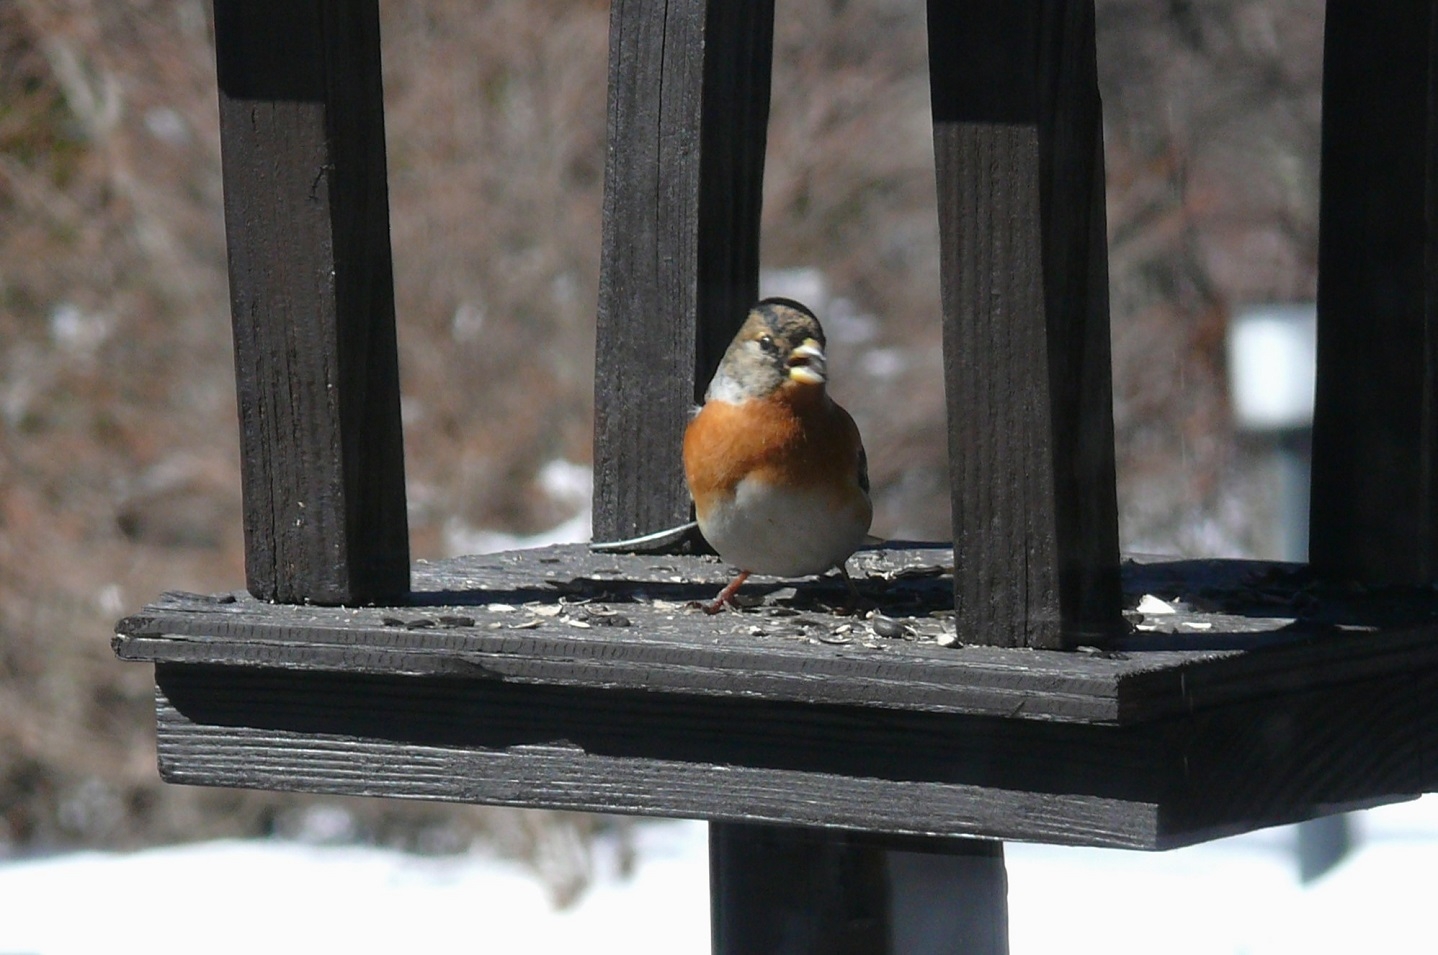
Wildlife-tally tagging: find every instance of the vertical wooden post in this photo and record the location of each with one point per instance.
(312, 299)
(1019, 154)
(794, 891)
(688, 114)
(950, 895)
(1374, 503)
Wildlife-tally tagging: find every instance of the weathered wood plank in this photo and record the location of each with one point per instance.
(1154, 785)
(312, 300)
(1250, 630)
(1374, 498)
(688, 115)
(1019, 153)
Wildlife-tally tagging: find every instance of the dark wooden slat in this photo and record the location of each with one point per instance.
(312, 299)
(480, 617)
(1018, 147)
(1154, 785)
(688, 113)
(1374, 497)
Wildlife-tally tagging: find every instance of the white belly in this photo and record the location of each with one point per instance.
(767, 530)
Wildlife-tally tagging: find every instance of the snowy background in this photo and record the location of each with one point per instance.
(1237, 895)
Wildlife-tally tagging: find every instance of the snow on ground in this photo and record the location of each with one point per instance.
(280, 898)
(1238, 895)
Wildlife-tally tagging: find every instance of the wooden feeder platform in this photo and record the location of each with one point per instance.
(564, 678)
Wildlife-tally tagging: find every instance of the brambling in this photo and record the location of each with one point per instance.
(776, 468)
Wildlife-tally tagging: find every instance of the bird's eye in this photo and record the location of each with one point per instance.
(767, 343)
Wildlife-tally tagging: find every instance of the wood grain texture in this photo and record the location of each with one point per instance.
(1018, 150)
(549, 617)
(312, 300)
(1374, 496)
(512, 679)
(688, 114)
(1154, 785)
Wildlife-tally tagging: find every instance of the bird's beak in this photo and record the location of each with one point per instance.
(807, 364)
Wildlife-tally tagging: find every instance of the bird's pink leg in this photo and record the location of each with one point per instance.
(856, 600)
(727, 593)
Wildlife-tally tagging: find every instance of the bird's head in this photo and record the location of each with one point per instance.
(779, 345)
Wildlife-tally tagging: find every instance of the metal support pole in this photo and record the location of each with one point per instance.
(794, 891)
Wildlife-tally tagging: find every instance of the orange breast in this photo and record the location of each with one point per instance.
(789, 439)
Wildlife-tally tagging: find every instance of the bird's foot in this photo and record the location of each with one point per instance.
(726, 596)
(856, 602)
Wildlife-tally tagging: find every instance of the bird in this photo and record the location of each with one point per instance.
(775, 466)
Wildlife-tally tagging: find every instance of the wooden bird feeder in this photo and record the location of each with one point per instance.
(1011, 698)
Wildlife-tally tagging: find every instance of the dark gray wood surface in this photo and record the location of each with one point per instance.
(312, 299)
(1018, 147)
(688, 114)
(1375, 431)
(565, 616)
(565, 679)
(735, 759)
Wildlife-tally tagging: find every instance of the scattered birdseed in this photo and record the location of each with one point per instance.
(1152, 604)
(888, 627)
(606, 619)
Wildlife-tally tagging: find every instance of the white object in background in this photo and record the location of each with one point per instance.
(1272, 356)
